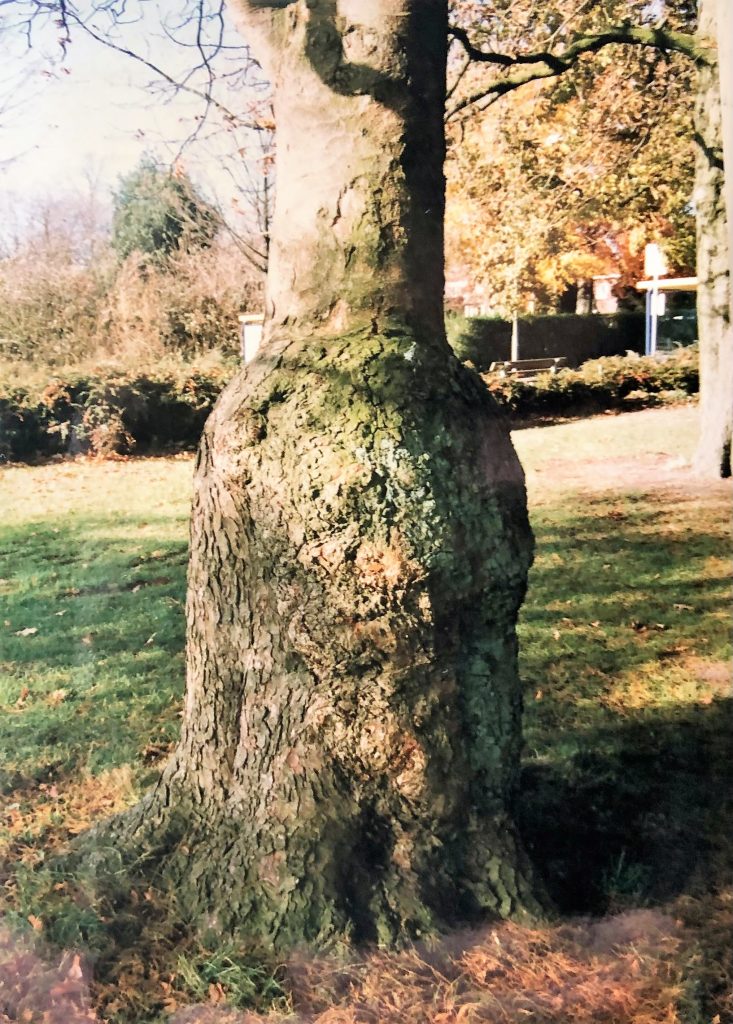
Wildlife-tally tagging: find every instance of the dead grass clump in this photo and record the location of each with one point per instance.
(56, 310)
(621, 970)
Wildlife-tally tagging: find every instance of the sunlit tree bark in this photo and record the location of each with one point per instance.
(713, 456)
(359, 541)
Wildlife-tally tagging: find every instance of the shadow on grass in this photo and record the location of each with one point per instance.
(620, 806)
(641, 813)
(91, 614)
(626, 786)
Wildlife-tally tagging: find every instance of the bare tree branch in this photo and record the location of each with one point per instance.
(543, 64)
(178, 85)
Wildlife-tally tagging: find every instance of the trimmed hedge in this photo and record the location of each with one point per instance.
(619, 382)
(124, 413)
(119, 414)
(484, 340)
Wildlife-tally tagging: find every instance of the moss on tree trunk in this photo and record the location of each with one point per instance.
(359, 542)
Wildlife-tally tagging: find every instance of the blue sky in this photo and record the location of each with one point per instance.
(88, 114)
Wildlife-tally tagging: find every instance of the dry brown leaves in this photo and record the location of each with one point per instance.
(34, 990)
(59, 811)
(619, 970)
(615, 971)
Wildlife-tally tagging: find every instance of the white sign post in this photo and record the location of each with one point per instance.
(655, 266)
(251, 327)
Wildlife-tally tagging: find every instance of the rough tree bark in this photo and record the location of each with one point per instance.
(724, 32)
(359, 541)
(713, 456)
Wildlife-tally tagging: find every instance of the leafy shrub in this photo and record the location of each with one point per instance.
(157, 213)
(106, 415)
(120, 412)
(615, 382)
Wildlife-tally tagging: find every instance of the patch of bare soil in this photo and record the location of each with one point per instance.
(642, 473)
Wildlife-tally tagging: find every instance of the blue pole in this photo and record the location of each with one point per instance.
(654, 319)
(648, 324)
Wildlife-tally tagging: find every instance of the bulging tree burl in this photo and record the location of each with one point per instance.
(359, 539)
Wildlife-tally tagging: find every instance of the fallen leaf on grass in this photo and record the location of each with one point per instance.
(35, 922)
(644, 627)
(675, 651)
(156, 581)
(155, 751)
(28, 631)
(217, 993)
(57, 697)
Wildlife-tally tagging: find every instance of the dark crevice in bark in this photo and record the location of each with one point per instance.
(325, 51)
(712, 153)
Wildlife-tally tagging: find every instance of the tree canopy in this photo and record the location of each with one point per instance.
(569, 179)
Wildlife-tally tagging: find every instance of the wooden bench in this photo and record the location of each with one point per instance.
(527, 367)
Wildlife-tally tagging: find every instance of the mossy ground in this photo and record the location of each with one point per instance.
(625, 655)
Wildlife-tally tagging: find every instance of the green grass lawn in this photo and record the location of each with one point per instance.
(626, 657)
(92, 584)
(627, 798)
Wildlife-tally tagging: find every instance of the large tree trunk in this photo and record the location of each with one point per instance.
(713, 456)
(359, 542)
(724, 34)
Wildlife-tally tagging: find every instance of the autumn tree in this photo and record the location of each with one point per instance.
(550, 43)
(567, 179)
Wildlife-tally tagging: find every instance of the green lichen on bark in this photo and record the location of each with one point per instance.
(360, 546)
